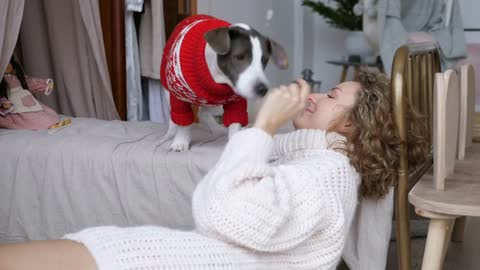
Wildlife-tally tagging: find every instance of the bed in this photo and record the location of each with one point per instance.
(97, 172)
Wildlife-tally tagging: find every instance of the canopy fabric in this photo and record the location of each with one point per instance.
(11, 12)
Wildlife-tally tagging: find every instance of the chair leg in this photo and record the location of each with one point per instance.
(403, 225)
(459, 229)
(437, 243)
(448, 239)
(403, 245)
(356, 72)
(343, 76)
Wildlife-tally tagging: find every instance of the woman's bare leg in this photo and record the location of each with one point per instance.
(46, 255)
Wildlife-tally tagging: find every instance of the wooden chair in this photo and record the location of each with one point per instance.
(453, 190)
(412, 79)
(467, 108)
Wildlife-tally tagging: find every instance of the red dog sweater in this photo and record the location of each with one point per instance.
(184, 72)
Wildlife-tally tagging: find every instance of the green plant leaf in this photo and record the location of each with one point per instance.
(342, 17)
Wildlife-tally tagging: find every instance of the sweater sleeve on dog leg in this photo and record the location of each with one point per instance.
(235, 112)
(181, 111)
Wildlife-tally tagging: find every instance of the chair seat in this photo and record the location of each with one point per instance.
(462, 189)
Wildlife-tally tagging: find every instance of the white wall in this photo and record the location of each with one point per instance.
(470, 9)
(328, 44)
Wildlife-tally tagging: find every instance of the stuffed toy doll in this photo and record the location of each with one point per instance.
(19, 109)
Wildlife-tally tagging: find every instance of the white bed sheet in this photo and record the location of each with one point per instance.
(97, 172)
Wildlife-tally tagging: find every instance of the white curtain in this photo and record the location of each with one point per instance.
(134, 84)
(159, 109)
(152, 41)
(11, 12)
(63, 40)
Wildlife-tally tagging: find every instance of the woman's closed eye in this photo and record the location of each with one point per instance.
(333, 93)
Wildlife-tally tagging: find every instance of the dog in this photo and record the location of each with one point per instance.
(210, 62)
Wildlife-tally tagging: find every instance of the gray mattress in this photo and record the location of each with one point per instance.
(96, 172)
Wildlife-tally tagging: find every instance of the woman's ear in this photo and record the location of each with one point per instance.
(345, 128)
(344, 124)
(219, 40)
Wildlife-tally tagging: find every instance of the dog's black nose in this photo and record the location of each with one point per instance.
(261, 89)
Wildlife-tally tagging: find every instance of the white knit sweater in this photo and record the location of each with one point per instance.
(293, 213)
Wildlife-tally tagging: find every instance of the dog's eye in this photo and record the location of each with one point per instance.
(239, 57)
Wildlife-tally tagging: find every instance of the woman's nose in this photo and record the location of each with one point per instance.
(314, 98)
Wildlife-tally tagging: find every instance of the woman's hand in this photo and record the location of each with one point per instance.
(281, 105)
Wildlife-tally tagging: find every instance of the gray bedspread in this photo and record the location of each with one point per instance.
(97, 172)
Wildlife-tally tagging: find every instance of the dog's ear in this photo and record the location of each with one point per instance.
(219, 40)
(278, 54)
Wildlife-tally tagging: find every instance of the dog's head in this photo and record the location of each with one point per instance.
(242, 55)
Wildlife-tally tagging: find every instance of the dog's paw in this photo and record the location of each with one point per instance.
(179, 144)
(178, 147)
(182, 139)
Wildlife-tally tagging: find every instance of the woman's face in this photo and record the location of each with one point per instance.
(328, 110)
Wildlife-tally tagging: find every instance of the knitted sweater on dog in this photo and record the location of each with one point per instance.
(184, 72)
(291, 213)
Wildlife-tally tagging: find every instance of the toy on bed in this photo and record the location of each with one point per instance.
(19, 109)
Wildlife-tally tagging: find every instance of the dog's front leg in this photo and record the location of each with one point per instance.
(182, 138)
(233, 128)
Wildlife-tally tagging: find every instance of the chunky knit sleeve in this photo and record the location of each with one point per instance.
(245, 201)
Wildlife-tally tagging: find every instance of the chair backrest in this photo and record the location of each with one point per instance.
(413, 72)
(454, 103)
(445, 126)
(467, 108)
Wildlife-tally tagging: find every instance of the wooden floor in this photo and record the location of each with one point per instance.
(460, 256)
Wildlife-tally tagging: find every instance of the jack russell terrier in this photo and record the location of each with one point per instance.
(210, 62)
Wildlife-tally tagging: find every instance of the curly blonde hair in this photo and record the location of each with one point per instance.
(373, 145)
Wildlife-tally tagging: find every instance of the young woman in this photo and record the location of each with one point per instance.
(282, 202)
